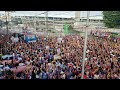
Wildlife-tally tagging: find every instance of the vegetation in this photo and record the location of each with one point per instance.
(17, 21)
(111, 19)
(2, 23)
(72, 31)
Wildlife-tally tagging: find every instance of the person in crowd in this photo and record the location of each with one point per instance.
(49, 58)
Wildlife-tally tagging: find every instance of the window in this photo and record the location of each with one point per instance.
(50, 18)
(55, 18)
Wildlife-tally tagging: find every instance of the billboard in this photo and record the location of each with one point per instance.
(30, 38)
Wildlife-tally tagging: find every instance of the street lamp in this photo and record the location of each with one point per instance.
(47, 22)
(7, 14)
(6, 18)
(85, 45)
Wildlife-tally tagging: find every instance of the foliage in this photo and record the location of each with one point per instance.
(111, 19)
(70, 28)
(2, 23)
(17, 21)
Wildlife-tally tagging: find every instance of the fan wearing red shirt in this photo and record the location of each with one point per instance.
(85, 77)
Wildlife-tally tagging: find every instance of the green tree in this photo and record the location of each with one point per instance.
(111, 19)
(70, 28)
(2, 23)
(17, 21)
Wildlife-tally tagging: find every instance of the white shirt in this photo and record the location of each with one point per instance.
(13, 54)
(37, 76)
(86, 58)
(1, 66)
(62, 41)
(58, 50)
(19, 47)
(21, 53)
(6, 68)
(31, 61)
(1, 69)
(59, 40)
(98, 65)
(63, 76)
(87, 51)
(47, 47)
(96, 76)
(28, 63)
(21, 64)
(44, 38)
(19, 58)
(12, 38)
(57, 64)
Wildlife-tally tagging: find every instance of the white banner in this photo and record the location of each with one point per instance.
(14, 39)
(31, 36)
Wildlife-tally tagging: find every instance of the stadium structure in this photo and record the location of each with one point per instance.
(52, 23)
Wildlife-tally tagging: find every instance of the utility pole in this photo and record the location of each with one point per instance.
(6, 15)
(85, 46)
(46, 21)
(77, 19)
(35, 22)
(53, 24)
(62, 24)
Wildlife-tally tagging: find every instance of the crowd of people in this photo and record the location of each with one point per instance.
(53, 58)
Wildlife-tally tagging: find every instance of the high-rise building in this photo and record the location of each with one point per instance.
(77, 18)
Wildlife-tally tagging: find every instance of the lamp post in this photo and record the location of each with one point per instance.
(47, 23)
(85, 45)
(6, 18)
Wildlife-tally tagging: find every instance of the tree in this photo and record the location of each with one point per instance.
(70, 28)
(2, 23)
(17, 21)
(111, 19)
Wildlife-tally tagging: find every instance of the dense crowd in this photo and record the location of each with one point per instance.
(53, 58)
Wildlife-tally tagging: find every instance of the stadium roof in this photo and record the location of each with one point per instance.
(62, 14)
(95, 18)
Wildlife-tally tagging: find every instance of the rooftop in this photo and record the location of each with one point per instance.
(61, 14)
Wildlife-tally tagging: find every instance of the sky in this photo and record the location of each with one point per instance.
(68, 14)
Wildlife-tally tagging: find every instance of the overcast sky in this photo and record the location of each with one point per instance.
(55, 13)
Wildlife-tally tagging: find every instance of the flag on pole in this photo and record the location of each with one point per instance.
(66, 29)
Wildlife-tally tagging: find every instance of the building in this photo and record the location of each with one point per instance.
(77, 18)
(54, 23)
(5, 16)
(40, 22)
(96, 21)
